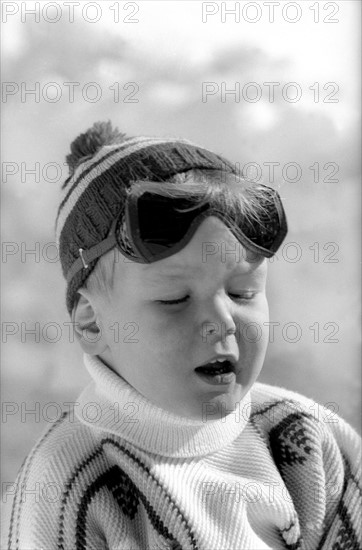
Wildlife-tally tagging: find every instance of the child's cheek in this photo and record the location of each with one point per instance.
(174, 327)
(253, 322)
(256, 310)
(161, 332)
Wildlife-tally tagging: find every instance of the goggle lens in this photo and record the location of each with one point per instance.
(160, 225)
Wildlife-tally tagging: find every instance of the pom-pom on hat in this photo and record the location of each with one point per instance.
(103, 163)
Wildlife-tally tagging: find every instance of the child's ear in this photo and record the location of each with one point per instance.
(87, 330)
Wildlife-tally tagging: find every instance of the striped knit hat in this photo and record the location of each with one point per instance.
(103, 163)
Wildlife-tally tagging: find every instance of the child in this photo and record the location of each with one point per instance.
(174, 444)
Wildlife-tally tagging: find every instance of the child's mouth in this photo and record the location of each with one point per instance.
(221, 372)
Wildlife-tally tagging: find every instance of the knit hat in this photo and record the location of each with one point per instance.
(103, 163)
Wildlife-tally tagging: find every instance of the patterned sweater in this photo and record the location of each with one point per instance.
(118, 472)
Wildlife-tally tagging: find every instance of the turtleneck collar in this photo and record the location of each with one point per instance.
(109, 403)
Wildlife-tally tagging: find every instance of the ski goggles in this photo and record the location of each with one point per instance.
(159, 226)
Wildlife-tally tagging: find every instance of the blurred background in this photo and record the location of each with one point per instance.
(159, 68)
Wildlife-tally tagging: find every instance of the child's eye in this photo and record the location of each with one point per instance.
(172, 302)
(245, 296)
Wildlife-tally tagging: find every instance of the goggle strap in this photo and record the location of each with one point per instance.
(88, 256)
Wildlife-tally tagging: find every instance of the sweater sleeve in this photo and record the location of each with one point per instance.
(318, 456)
(342, 493)
(39, 511)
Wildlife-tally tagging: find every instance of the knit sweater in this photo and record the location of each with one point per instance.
(118, 472)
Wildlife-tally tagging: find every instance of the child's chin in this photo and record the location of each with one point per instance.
(224, 404)
(215, 406)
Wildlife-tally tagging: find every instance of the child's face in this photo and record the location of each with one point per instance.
(156, 347)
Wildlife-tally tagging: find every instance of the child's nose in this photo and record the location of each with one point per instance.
(216, 319)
